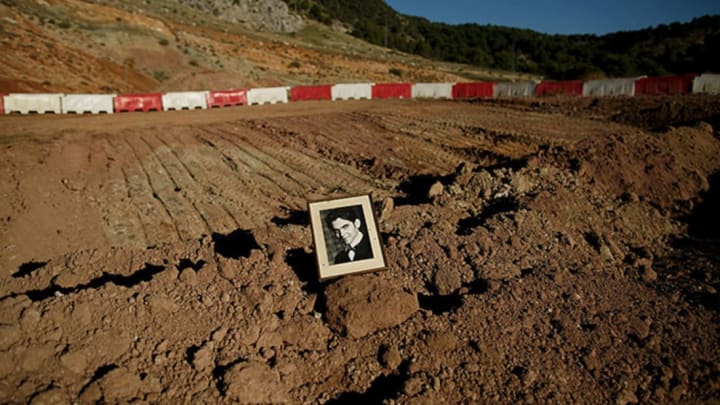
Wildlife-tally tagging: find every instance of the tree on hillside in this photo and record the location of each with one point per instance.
(674, 48)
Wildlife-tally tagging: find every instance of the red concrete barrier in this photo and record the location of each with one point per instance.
(392, 90)
(2, 104)
(569, 87)
(473, 90)
(138, 102)
(300, 93)
(227, 98)
(653, 86)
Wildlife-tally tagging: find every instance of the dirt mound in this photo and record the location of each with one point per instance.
(666, 168)
(532, 256)
(653, 113)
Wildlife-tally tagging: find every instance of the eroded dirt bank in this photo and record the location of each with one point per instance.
(565, 253)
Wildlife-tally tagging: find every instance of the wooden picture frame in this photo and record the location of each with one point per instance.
(345, 236)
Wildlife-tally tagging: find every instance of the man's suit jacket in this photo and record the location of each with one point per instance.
(362, 251)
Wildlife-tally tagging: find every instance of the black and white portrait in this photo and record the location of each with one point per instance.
(345, 236)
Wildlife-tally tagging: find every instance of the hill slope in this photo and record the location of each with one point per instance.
(130, 46)
(676, 48)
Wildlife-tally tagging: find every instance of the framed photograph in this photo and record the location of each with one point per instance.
(346, 236)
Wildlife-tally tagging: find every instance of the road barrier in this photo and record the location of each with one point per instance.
(609, 87)
(185, 100)
(304, 93)
(706, 84)
(138, 102)
(354, 91)
(226, 98)
(24, 103)
(666, 85)
(473, 90)
(567, 87)
(391, 90)
(514, 89)
(432, 90)
(266, 95)
(87, 103)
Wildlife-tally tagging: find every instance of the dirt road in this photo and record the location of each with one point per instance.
(167, 257)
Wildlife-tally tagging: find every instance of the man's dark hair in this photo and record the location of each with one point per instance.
(350, 213)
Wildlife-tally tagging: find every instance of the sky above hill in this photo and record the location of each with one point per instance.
(560, 16)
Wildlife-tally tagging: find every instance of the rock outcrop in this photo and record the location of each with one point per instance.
(262, 15)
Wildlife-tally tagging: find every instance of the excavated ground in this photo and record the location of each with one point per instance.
(542, 250)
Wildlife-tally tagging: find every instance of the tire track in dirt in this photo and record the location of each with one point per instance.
(421, 127)
(154, 215)
(331, 175)
(419, 146)
(451, 130)
(524, 126)
(446, 135)
(535, 127)
(271, 167)
(308, 152)
(256, 191)
(432, 131)
(292, 175)
(483, 132)
(141, 184)
(342, 133)
(328, 174)
(123, 227)
(187, 218)
(214, 216)
(235, 191)
(346, 138)
(230, 147)
(206, 176)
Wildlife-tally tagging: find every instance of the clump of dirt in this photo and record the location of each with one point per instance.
(360, 306)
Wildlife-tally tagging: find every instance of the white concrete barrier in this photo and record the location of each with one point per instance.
(87, 103)
(184, 100)
(270, 95)
(352, 91)
(25, 103)
(514, 89)
(609, 87)
(706, 83)
(432, 90)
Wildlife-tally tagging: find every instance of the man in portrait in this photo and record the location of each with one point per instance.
(348, 227)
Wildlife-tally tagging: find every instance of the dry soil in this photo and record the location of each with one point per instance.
(568, 252)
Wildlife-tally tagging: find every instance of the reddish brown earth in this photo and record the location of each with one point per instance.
(117, 46)
(568, 252)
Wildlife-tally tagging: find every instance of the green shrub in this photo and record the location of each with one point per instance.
(395, 71)
(160, 76)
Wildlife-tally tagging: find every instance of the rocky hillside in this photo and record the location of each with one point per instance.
(113, 46)
(263, 15)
